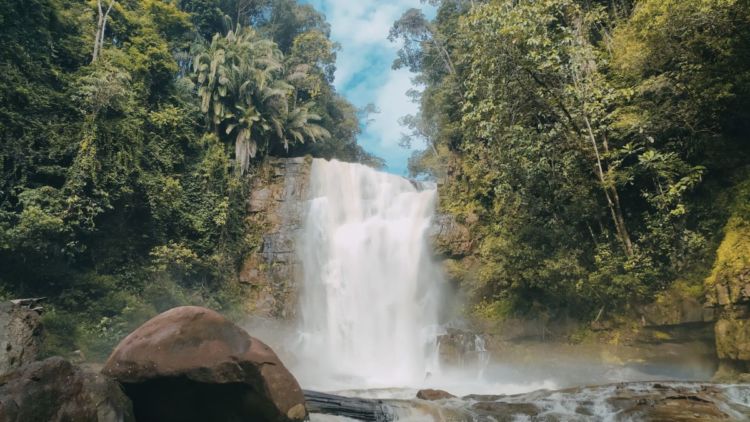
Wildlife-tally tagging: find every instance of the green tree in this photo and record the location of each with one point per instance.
(244, 91)
(579, 139)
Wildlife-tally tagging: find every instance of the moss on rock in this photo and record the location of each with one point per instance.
(728, 285)
(729, 282)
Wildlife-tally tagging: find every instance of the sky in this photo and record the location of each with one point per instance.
(364, 73)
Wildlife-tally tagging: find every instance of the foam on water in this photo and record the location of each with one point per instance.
(593, 404)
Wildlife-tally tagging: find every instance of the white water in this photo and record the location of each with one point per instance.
(369, 313)
(371, 291)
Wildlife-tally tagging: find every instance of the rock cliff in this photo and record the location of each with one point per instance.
(728, 289)
(275, 212)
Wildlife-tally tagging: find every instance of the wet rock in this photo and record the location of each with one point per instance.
(680, 304)
(728, 289)
(733, 339)
(260, 199)
(461, 348)
(349, 407)
(620, 402)
(275, 209)
(449, 237)
(672, 404)
(20, 336)
(501, 411)
(430, 394)
(54, 390)
(634, 401)
(484, 397)
(192, 364)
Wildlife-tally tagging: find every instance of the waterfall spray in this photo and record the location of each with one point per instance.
(370, 288)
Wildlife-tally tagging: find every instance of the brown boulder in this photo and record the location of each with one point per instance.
(190, 364)
(54, 390)
(430, 394)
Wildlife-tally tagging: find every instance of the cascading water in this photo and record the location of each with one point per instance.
(370, 295)
(369, 323)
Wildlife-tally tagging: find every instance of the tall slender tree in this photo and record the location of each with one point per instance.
(101, 27)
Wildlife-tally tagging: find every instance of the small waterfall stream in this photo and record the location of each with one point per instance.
(370, 292)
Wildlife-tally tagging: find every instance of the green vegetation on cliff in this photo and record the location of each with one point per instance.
(589, 145)
(124, 144)
(728, 286)
(732, 265)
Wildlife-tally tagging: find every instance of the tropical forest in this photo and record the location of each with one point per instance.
(378, 210)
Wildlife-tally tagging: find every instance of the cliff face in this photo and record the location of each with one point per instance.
(728, 289)
(677, 321)
(275, 211)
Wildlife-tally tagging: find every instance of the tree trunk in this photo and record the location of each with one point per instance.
(613, 198)
(446, 56)
(443, 51)
(99, 22)
(101, 27)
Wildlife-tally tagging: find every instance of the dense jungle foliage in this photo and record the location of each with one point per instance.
(129, 128)
(597, 149)
(594, 147)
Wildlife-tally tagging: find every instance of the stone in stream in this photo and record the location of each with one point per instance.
(192, 364)
(430, 394)
(54, 390)
(501, 411)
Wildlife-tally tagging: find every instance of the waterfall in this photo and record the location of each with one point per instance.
(370, 289)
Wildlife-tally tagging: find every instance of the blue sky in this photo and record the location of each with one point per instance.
(364, 73)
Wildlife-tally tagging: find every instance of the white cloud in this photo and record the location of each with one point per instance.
(364, 73)
(393, 104)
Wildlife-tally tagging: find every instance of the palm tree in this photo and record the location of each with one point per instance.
(299, 126)
(243, 91)
(212, 79)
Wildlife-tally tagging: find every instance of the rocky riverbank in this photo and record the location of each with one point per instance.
(657, 401)
(187, 364)
(192, 364)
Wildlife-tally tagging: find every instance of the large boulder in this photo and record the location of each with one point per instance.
(55, 390)
(20, 336)
(192, 364)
